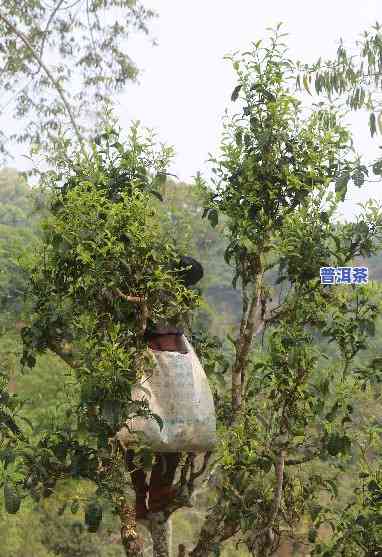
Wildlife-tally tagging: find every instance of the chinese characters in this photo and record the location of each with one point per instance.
(344, 275)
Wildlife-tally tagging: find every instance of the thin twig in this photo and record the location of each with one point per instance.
(45, 32)
(134, 299)
(56, 84)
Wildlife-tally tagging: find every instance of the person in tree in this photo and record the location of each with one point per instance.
(162, 336)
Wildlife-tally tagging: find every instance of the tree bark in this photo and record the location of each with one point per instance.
(132, 543)
(213, 536)
(250, 325)
(215, 530)
(160, 529)
(262, 540)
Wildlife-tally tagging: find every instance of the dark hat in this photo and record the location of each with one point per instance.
(191, 272)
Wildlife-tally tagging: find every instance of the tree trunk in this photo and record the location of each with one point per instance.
(262, 540)
(160, 529)
(247, 331)
(216, 529)
(133, 547)
(211, 536)
(131, 541)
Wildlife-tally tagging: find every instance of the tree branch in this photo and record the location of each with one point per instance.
(134, 299)
(216, 529)
(252, 323)
(57, 7)
(56, 84)
(279, 471)
(137, 300)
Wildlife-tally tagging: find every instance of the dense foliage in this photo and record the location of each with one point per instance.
(291, 399)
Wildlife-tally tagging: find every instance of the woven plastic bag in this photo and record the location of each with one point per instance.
(177, 389)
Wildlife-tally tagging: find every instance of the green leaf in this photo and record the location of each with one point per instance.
(93, 516)
(228, 254)
(324, 386)
(159, 421)
(317, 84)
(12, 499)
(332, 413)
(338, 444)
(75, 506)
(7, 456)
(235, 279)
(377, 363)
(216, 550)
(372, 124)
(312, 535)
(259, 365)
(120, 148)
(358, 178)
(324, 217)
(239, 137)
(156, 194)
(306, 86)
(373, 487)
(341, 184)
(236, 92)
(377, 168)
(213, 217)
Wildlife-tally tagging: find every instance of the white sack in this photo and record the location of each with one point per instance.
(178, 391)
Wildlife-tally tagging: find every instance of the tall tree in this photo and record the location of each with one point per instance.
(272, 182)
(353, 76)
(102, 260)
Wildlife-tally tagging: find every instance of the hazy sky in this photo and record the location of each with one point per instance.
(186, 85)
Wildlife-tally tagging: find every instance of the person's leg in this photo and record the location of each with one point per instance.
(140, 486)
(161, 491)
